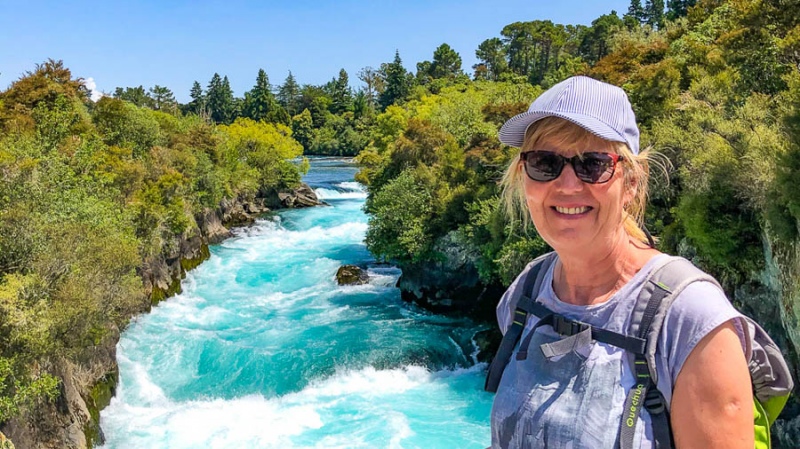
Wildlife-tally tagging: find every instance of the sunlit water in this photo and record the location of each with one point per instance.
(264, 350)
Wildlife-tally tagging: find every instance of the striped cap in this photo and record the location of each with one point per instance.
(598, 107)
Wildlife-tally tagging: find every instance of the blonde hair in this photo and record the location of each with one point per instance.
(563, 133)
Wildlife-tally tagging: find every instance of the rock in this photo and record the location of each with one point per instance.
(302, 196)
(351, 275)
(210, 223)
(488, 342)
(451, 284)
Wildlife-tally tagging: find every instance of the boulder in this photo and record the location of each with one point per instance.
(302, 196)
(351, 275)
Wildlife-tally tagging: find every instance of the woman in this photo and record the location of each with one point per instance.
(582, 181)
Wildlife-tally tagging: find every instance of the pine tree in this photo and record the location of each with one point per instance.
(341, 94)
(220, 100)
(198, 103)
(289, 95)
(636, 12)
(398, 84)
(163, 99)
(492, 54)
(678, 8)
(654, 13)
(260, 103)
(446, 63)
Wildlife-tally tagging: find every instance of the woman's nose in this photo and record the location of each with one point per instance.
(568, 180)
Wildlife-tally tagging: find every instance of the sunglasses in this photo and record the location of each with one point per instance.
(591, 167)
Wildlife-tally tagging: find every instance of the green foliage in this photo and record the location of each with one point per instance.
(260, 104)
(90, 190)
(398, 83)
(400, 212)
(267, 148)
(219, 100)
(123, 124)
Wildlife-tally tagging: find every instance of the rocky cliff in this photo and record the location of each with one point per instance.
(88, 381)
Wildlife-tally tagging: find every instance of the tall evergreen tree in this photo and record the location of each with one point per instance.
(289, 95)
(492, 53)
(163, 99)
(594, 42)
(636, 12)
(341, 94)
(654, 12)
(260, 103)
(398, 84)
(198, 103)
(446, 63)
(678, 8)
(220, 100)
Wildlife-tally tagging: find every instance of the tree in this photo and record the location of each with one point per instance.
(595, 40)
(654, 13)
(289, 95)
(136, 95)
(260, 104)
(446, 63)
(220, 100)
(636, 13)
(163, 99)
(341, 94)
(198, 103)
(492, 53)
(678, 8)
(375, 84)
(398, 84)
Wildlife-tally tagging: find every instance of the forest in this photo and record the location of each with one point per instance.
(89, 190)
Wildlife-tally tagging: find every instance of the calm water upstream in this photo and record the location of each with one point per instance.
(264, 350)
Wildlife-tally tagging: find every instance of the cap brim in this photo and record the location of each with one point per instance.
(513, 131)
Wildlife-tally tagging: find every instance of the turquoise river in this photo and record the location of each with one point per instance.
(264, 350)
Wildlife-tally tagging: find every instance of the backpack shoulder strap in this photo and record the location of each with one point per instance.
(522, 304)
(663, 285)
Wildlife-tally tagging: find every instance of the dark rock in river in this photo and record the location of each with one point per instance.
(302, 196)
(488, 342)
(351, 275)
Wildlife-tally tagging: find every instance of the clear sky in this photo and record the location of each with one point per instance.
(173, 43)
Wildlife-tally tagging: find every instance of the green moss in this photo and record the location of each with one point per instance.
(99, 397)
(159, 294)
(190, 264)
(187, 264)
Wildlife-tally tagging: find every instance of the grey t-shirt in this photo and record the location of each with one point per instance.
(576, 400)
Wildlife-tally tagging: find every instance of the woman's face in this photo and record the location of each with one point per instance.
(572, 215)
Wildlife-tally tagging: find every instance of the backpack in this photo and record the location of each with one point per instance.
(769, 373)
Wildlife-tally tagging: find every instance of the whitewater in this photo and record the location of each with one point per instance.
(264, 350)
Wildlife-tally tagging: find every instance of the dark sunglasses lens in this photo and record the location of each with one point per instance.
(543, 165)
(595, 167)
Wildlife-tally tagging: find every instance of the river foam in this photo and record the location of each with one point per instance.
(264, 350)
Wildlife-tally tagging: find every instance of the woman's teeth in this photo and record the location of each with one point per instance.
(572, 210)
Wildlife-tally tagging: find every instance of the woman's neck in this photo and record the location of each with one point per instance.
(592, 277)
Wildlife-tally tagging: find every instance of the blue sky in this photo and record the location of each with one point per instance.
(173, 43)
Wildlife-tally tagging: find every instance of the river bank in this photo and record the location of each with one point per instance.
(88, 382)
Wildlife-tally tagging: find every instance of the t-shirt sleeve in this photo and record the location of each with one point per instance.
(699, 309)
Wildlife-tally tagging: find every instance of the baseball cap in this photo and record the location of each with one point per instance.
(598, 107)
